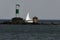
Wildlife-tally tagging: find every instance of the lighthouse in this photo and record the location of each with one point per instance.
(17, 19)
(17, 10)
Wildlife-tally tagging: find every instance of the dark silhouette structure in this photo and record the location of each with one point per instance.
(17, 20)
(35, 19)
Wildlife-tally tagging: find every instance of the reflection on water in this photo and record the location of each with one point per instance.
(29, 32)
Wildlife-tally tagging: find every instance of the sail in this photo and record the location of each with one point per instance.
(28, 17)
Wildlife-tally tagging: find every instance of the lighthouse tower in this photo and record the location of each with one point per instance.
(17, 19)
(17, 10)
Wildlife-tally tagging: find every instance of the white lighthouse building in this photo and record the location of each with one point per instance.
(17, 10)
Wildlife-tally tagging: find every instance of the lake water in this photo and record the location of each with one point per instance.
(29, 32)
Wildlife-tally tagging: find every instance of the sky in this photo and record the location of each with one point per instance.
(43, 9)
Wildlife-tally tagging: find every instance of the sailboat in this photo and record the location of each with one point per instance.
(28, 19)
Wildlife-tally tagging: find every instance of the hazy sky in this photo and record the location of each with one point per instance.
(43, 9)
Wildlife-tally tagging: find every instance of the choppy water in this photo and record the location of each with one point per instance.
(29, 32)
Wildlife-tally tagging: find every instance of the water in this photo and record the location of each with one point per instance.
(29, 32)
